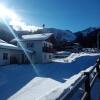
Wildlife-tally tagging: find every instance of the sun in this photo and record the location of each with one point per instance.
(7, 13)
(13, 19)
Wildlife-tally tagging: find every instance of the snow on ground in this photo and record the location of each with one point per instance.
(72, 57)
(36, 89)
(19, 82)
(69, 84)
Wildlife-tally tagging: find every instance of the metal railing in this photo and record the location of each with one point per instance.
(86, 81)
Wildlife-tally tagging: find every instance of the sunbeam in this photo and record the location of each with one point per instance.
(15, 20)
(21, 45)
(3, 16)
(6, 13)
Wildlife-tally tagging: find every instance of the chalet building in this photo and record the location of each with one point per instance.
(11, 54)
(41, 50)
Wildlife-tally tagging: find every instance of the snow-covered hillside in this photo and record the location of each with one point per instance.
(88, 37)
(61, 34)
(87, 31)
(20, 82)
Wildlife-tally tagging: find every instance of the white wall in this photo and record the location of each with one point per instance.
(38, 51)
(38, 56)
(37, 48)
(3, 62)
(10, 53)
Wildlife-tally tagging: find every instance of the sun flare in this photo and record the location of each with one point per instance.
(6, 13)
(14, 20)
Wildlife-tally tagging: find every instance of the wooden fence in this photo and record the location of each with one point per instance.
(86, 81)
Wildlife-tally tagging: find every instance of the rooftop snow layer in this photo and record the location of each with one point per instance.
(4, 44)
(2, 41)
(37, 36)
(43, 36)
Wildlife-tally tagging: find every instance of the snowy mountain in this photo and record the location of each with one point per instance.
(3, 26)
(59, 34)
(88, 30)
(5, 34)
(63, 34)
(88, 37)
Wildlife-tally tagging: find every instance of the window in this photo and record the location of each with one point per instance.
(30, 45)
(5, 56)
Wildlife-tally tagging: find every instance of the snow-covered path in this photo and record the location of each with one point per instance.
(19, 82)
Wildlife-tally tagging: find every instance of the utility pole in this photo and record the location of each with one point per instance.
(98, 40)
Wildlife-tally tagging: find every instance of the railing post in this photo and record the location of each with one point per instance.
(87, 86)
(98, 67)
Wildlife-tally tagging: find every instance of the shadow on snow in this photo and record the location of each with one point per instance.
(14, 77)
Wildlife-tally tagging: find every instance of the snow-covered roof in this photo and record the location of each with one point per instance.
(43, 36)
(4, 44)
(2, 41)
(63, 52)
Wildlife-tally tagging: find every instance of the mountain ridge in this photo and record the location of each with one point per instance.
(86, 37)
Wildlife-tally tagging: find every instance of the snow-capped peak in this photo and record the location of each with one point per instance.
(88, 30)
(61, 34)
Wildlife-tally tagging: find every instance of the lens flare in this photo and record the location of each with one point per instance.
(15, 20)
(6, 13)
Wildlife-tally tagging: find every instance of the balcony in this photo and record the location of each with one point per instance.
(48, 49)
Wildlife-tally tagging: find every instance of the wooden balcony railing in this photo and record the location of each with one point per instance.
(85, 80)
(48, 50)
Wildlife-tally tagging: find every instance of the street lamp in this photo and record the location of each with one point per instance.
(43, 28)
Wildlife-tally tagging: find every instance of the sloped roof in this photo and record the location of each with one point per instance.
(43, 36)
(2, 41)
(4, 44)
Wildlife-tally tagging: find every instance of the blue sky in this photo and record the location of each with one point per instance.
(74, 15)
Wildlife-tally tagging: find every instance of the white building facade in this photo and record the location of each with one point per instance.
(11, 54)
(42, 51)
